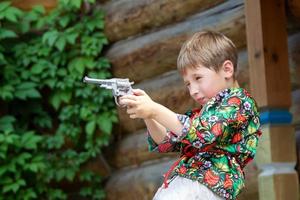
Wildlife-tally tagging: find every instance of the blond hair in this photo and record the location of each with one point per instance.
(208, 49)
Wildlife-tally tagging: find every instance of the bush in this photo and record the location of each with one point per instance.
(50, 122)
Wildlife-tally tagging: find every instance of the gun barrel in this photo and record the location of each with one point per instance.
(92, 80)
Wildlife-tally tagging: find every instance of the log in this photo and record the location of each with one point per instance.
(131, 17)
(133, 151)
(155, 53)
(144, 181)
(28, 4)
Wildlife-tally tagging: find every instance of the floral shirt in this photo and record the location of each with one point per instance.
(216, 142)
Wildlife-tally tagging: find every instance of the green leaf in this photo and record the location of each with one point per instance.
(12, 13)
(86, 176)
(29, 140)
(26, 85)
(9, 138)
(59, 97)
(3, 170)
(50, 37)
(65, 2)
(27, 90)
(4, 5)
(99, 194)
(55, 142)
(60, 43)
(14, 186)
(29, 194)
(50, 82)
(22, 158)
(64, 20)
(56, 194)
(104, 123)
(84, 112)
(90, 127)
(37, 68)
(77, 3)
(79, 64)
(5, 33)
(39, 9)
(36, 164)
(71, 38)
(86, 191)
(6, 123)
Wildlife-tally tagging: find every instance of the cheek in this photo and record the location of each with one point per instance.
(209, 89)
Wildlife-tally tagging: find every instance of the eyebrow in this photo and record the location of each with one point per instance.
(197, 74)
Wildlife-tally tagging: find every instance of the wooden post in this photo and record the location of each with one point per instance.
(270, 86)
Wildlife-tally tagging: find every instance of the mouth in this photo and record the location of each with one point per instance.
(201, 100)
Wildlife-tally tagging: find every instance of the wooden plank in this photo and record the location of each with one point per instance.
(267, 50)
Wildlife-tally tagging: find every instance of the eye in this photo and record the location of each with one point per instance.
(187, 85)
(198, 78)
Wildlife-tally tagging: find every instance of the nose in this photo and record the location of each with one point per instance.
(193, 90)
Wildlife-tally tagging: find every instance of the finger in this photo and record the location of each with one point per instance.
(138, 92)
(132, 97)
(127, 102)
(130, 111)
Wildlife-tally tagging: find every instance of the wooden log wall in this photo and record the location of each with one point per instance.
(146, 36)
(149, 59)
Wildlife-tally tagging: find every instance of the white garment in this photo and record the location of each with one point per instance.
(181, 188)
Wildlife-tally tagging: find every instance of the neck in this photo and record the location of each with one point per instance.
(235, 84)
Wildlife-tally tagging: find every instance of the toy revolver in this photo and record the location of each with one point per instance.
(118, 86)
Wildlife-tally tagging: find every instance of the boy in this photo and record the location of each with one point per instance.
(217, 140)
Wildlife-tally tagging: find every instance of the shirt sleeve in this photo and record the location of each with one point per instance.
(171, 142)
(244, 143)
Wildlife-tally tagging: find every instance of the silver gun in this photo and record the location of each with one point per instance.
(119, 86)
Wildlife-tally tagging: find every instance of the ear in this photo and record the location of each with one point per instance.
(227, 69)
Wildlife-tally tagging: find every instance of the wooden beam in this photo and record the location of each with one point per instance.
(267, 50)
(271, 87)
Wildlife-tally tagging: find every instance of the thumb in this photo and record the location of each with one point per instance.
(139, 92)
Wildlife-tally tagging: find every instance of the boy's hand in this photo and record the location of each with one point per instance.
(139, 105)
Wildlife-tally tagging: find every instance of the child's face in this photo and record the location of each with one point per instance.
(204, 83)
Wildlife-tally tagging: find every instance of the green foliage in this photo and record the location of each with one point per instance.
(50, 122)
